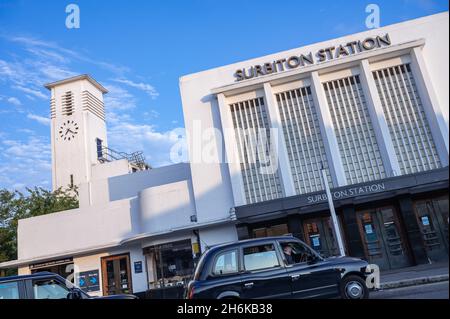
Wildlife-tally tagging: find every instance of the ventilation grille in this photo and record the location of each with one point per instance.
(356, 139)
(261, 181)
(408, 126)
(92, 104)
(52, 108)
(304, 143)
(67, 103)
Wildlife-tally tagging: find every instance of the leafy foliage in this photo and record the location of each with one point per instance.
(15, 205)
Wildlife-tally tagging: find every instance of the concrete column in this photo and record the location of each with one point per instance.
(280, 144)
(379, 123)
(327, 131)
(430, 102)
(231, 152)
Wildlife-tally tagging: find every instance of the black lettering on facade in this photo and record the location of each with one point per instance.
(341, 50)
(293, 62)
(307, 58)
(239, 75)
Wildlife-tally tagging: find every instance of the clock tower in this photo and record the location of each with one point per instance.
(78, 129)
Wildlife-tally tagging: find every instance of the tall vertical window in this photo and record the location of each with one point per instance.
(355, 136)
(99, 143)
(256, 157)
(410, 132)
(304, 143)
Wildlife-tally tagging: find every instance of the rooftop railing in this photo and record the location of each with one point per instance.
(136, 159)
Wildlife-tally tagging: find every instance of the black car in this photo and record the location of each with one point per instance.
(45, 285)
(275, 267)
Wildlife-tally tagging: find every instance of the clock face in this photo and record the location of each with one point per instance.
(68, 130)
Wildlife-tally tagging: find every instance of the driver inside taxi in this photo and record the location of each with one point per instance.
(293, 254)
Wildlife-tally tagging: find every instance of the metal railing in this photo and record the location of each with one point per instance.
(136, 159)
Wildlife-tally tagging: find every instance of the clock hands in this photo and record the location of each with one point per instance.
(65, 130)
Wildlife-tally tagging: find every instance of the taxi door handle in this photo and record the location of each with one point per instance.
(248, 285)
(295, 277)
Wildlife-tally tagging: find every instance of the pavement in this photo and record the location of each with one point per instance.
(413, 276)
(437, 290)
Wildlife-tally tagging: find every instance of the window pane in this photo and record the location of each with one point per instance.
(49, 289)
(9, 290)
(260, 257)
(226, 263)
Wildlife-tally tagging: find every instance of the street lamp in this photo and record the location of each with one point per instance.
(336, 227)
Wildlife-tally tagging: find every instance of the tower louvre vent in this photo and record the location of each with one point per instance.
(52, 108)
(67, 102)
(93, 104)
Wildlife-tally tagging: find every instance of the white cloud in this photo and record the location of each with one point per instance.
(130, 137)
(34, 92)
(118, 98)
(62, 54)
(147, 88)
(39, 119)
(15, 101)
(25, 163)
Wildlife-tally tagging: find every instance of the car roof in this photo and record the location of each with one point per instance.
(261, 240)
(22, 277)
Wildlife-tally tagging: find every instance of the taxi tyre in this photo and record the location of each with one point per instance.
(353, 287)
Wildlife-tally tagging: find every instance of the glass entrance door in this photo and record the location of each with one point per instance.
(116, 275)
(432, 217)
(319, 235)
(382, 238)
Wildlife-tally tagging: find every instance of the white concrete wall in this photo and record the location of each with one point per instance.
(96, 192)
(217, 235)
(127, 186)
(210, 181)
(110, 169)
(72, 230)
(166, 207)
(24, 271)
(87, 263)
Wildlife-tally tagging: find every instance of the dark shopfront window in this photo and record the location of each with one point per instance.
(64, 270)
(172, 263)
(275, 230)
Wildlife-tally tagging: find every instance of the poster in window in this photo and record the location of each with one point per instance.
(425, 220)
(138, 267)
(368, 228)
(89, 280)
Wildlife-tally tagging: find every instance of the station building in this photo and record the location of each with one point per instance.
(370, 110)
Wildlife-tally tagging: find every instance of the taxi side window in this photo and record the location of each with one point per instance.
(260, 257)
(226, 263)
(9, 290)
(49, 289)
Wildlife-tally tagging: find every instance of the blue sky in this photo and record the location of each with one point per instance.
(138, 50)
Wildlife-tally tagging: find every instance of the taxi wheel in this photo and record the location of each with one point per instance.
(353, 287)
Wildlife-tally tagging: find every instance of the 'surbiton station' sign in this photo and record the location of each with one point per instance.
(322, 55)
(347, 193)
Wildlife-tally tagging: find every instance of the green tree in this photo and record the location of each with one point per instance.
(15, 205)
